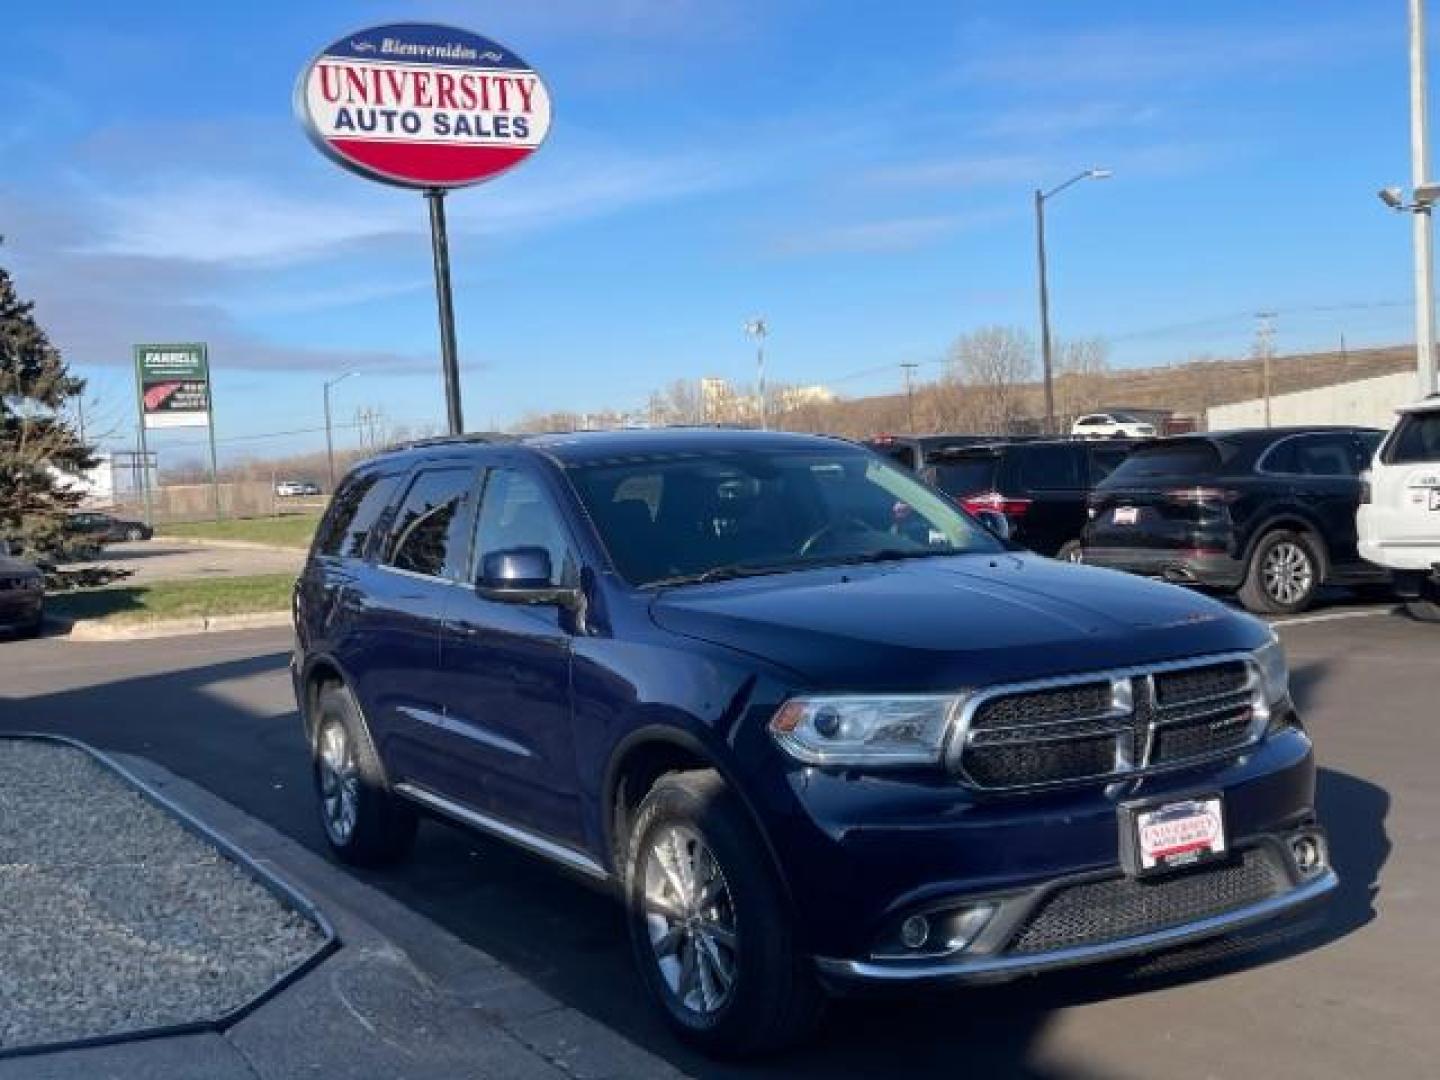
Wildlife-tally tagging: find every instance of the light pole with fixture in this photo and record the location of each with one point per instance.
(1424, 195)
(329, 438)
(757, 329)
(1041, 197)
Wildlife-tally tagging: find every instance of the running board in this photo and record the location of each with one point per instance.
(548, 849)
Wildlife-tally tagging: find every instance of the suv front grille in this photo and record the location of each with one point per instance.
(1117, 908)
(1102, 727)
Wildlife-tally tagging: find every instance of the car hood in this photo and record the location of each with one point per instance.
(968, 620)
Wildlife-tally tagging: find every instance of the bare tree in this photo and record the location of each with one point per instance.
(1082, 376)
(990, 366)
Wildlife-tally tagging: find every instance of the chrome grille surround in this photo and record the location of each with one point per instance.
(1208, 707)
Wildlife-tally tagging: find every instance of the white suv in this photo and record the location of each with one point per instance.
(1399, 517)
(1111, 426)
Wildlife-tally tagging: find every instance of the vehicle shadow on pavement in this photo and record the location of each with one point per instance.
(570, 938)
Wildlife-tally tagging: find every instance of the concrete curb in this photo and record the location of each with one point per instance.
(99, 630)
(237, 545)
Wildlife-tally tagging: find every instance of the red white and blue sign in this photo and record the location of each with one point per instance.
(422, 105)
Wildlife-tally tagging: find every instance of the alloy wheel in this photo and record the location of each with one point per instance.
(690, 917)
(1288, 573)
(339, 783)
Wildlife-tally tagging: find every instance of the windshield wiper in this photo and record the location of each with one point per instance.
(890, 555)
(722, 573)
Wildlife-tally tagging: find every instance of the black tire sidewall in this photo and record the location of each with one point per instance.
(384, 827)
(1253, 593)
(767, 967)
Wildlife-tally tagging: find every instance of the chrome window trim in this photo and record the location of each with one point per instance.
(1122, 684)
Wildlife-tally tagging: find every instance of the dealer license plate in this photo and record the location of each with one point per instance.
(1168, 836)
(1125, 515)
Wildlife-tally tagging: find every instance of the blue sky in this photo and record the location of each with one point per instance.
(860, 173)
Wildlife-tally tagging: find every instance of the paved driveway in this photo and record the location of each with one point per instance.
(164, 560)
(1353, 995)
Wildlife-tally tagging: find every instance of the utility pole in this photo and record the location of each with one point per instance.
(909, 368)
(757, 329)
(1420, 178)
(1265, 351)
(329, 437)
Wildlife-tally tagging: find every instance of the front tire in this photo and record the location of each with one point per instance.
(135, 534)
(365, 823)
(1283, 576)
(712, 934)
(1070, 551)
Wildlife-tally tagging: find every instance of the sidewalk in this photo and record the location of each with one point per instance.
(400, 998)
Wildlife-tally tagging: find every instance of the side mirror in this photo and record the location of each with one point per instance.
(995, 522)
(522, 575)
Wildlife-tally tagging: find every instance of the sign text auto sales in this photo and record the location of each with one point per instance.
(384, 99)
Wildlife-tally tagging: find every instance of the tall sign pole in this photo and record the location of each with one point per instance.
(426, 107)
(449, 362)
(172, 390)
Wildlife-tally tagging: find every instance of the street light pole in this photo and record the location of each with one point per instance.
(329, 437)
(1046, 347)
(1420, 177)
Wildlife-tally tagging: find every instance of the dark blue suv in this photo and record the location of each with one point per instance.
(820, 728)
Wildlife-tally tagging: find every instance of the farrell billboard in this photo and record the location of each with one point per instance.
(421, 105)
(174, 385)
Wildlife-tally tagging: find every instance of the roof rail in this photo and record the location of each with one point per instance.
(449, 440)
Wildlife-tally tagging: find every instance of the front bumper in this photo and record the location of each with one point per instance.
(1212, 569)
(994, 957)
(20, 609)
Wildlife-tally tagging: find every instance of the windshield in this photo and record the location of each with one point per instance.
(681, 518)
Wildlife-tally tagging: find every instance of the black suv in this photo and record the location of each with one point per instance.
(106, 528)
(818, 728)
(1041, 486)
(1267, 513)
(915, 452)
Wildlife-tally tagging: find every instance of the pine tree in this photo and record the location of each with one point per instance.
(37, 444)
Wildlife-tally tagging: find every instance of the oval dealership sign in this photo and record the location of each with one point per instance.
(422, 105)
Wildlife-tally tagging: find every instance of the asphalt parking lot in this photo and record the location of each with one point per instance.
(1348, 993)
(165, 560)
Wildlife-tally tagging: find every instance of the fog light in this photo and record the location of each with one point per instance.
(914, 931)
(1309, 853)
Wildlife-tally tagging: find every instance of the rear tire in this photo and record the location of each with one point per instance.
(1427, 607)
(1071, 551)
(1283, 576)
(712, 933)
(135, 534)
(364, 822)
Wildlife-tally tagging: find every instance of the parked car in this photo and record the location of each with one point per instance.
(1268, 514)
(22, 595)
(1399, 515)
(1041, 486)
(915, 452)
(1116, 425)
(104, 528)
(815, 725)
(287, 489)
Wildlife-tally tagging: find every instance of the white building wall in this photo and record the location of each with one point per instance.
(1366, 402)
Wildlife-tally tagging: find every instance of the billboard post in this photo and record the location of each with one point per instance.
(427, 107)
(173, 390)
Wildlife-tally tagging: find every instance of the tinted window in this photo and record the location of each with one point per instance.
(960, 476)
(766, 512)
(353, 514)
(901, 455)
(1326, 455)
(516, 512)
(1416, 439)
(1048, 468)
(426, 537)
(1187, 459)
(1104, 460)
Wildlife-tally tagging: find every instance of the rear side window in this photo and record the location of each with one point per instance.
(1048, 468)
(427, 537)
(960, 476)
(1104, 460)
(1188, 459)
(353, 513)
(1326, 455)
(1416, 439)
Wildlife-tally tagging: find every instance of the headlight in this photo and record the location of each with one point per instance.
(1274, 672)
(900, 729)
